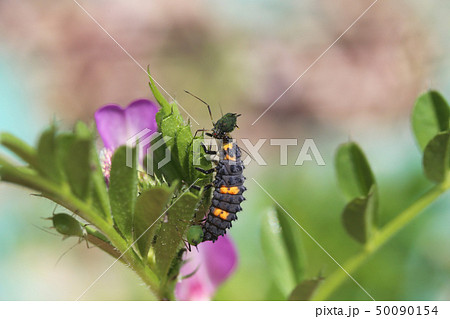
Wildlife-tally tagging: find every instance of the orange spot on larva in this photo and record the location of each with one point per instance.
(228, 146)
(229, 190)
(220, 213)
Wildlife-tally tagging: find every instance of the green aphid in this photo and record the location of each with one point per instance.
(194, 235)
(67, 225)
(225, 124)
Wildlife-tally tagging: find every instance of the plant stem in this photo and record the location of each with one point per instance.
(380, 238)
(20, 148)
(127, 253)
(62, 196)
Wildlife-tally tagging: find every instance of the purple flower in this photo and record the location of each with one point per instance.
(117, 125)
(212, 264)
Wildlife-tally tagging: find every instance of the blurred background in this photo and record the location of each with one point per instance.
(56, 63)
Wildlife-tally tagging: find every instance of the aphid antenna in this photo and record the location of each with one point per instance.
(44, 230)
(209, 108)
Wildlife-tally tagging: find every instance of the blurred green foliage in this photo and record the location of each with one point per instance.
(357, 182)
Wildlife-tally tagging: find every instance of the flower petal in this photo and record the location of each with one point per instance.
(117, 125)
(111, 125)
(221, 259)
(195, 288)
(213, 263)
(140, 115)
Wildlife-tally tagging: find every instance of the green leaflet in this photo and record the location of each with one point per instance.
(179, 141)
(123, 190)
(353, 171)
(359, 216)
(100, 197)
(430, 116)
(183, 141)
(436, 158)
(168, 172)
(48, 159)
(197, 158)
(357, 182)
(165, 106)
(168, 237)
(305, 290)
(276, 253)
(76, 162)
(169, 122)
(293, 243)
(20, 148)
(150, 207)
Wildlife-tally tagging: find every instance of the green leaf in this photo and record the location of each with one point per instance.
(176, 112)
(204, 203)
(354, 175)
(98, 190)
(82, 131)
(100, 198)
(169, 127)
(359, 216)
(305, 290)
(170, 123)
(436, 158)
(48, 160)
(149, 208)
(173, 170)
(123, 190)
(276, 253)
(165, 106)
(293, 243)
(77, 166)
(430, 116)
(203, 163)
(183, 141)
(169, 236)
(168, 172)
(20, 148)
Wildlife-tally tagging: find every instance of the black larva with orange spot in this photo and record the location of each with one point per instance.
(229, 180)
(227, 196)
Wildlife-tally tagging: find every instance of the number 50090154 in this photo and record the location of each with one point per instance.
(406, 310)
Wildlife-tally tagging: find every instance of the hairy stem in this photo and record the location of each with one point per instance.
(62, 196)
(380, 238)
